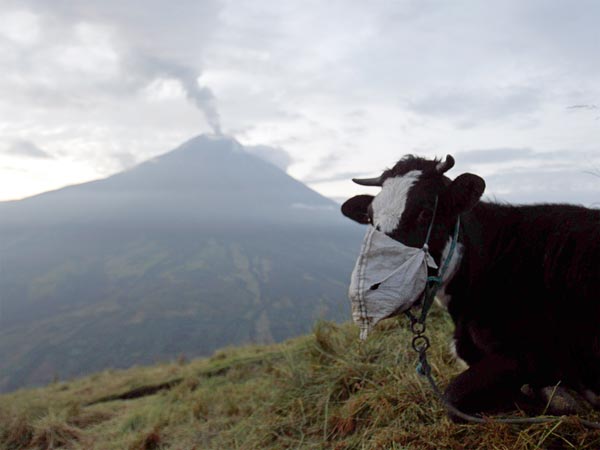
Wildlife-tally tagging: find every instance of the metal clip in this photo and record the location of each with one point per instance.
(420, 344)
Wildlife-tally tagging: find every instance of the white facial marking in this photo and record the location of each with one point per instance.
(389, 204)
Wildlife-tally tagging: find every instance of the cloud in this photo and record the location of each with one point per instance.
(328, 162)
(472, 106)
(103, 48)
(97, 77)
(125, 160)
(583, 106)
(545, 186)
(509, 155)
(492, 155)
(20, 27)
(343, 176)
(524, 175)
(307, 207)
(275, 155)
(25, 148)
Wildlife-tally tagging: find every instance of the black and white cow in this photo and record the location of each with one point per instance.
(523, 287)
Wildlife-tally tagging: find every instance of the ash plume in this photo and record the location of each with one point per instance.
(201, 97)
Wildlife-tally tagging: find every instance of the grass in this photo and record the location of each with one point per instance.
(326, 390)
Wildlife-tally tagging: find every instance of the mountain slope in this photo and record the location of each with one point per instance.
(204, 181)
(203, 247)
(325, 390)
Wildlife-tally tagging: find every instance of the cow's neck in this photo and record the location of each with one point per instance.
(481, 224)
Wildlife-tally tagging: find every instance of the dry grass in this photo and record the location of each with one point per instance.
(326, 390)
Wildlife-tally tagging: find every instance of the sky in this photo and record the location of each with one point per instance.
(326, 90)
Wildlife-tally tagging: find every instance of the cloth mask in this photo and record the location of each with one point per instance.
(388, 279)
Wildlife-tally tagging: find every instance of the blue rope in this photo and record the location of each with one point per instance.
(451, 251)
(434, 282)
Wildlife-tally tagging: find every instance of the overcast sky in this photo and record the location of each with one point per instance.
(329, 89)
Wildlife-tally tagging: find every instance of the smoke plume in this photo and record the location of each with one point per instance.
(202, 97)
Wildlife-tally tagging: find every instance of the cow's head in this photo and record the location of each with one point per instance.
(403, 209)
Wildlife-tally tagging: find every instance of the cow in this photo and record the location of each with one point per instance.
(522, 289)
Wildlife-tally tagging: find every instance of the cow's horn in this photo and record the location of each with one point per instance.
(445, 166)
(368, 181)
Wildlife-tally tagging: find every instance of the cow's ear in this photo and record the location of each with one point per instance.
(357, 208)
(463, 193)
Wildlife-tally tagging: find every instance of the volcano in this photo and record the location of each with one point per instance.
(202, 247)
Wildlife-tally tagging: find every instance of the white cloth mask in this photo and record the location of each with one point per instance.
(387, 280)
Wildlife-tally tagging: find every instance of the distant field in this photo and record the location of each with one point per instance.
(325, 390)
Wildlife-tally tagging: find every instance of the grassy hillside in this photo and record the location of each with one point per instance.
(325, 390)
